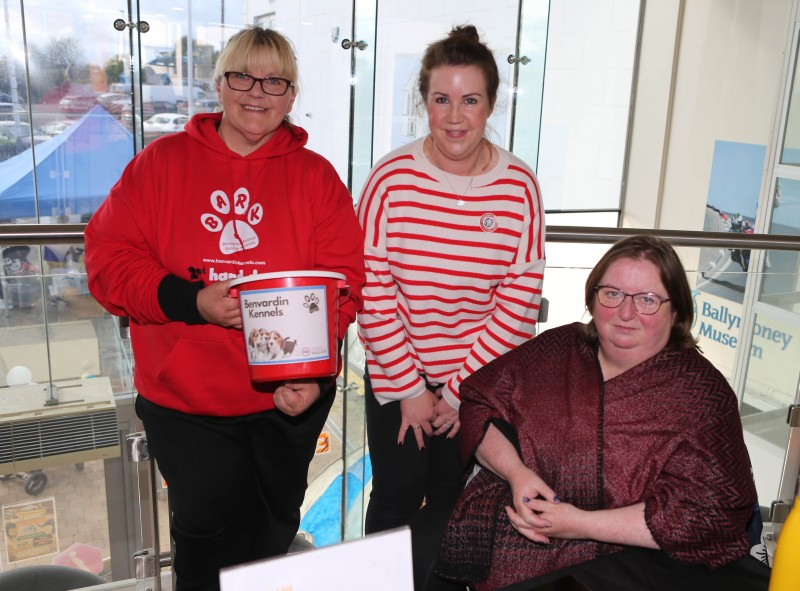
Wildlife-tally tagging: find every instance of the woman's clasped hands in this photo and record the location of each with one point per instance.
(538, 514)
(430, 414)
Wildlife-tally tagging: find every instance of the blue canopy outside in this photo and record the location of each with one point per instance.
(74, 170)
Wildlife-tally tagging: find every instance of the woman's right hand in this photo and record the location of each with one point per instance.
(217, 307)
(417, 413)
(496, 453)
(526, 486)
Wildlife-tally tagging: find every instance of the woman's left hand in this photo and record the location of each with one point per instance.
(446, 420)
(296, 396)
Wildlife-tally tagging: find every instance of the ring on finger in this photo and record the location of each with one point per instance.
(446, 423)
(417, 428)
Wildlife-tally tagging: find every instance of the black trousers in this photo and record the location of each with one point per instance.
(641, 569)
(235, 484)
(404, 478)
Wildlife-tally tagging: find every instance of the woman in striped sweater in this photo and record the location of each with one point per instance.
(454, 251)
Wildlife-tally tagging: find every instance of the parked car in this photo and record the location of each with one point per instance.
(77, 103)
(205, 105)
(10, 109)
(11, 130)
(55, 127)
(149, 109)
(21, 134)
(114, 102)
(165, 123)
(182, 104)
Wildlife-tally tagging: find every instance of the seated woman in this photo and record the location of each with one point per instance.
(592, 438)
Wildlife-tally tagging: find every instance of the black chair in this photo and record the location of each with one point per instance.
(48, 577)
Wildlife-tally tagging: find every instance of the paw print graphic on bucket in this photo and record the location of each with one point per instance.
(290, 323)
(312, 303)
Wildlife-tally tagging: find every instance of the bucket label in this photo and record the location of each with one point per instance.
(285, 325)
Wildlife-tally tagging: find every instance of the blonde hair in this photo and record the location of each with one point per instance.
(253, 48)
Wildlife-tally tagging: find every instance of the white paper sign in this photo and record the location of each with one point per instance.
(378, 561)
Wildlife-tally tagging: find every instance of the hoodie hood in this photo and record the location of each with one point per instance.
(287, 138)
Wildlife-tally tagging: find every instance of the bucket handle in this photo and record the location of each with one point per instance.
(341, 285)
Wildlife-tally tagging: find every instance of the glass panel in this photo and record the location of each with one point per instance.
(772, 372)
(358, 470)
(527, 110)
(587, 87)
(64, 373)
(176, 83)
(51, 323)
(403, 33)
(46, 522)
(771, 387)
(781, 285)
(790, 153)
(324, 101)
(15, 121)
(62, 147)
(363, 94)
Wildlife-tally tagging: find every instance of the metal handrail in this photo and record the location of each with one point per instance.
(28, 234)
(674, 237)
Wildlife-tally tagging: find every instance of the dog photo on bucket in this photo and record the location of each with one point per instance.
(268, 345)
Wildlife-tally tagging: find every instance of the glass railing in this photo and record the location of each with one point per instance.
(66, 386)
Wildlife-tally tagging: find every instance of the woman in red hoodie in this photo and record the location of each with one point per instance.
(237, 193)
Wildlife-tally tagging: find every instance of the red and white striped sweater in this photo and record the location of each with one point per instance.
(449, 287)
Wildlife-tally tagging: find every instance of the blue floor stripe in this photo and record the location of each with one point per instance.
(323, 519)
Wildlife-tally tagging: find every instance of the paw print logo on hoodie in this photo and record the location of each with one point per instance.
(235, 219)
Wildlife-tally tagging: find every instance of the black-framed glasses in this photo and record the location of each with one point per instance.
(270, 85)
(644, 303)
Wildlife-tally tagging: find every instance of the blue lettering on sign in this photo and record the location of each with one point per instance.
(730, 322)
(709, 332)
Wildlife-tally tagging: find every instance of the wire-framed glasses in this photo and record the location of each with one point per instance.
(270, 85)
(644, 303)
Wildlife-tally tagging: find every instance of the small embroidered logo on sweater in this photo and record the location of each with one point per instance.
(489, 222)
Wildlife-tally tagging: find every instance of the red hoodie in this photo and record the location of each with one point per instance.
(188, 209)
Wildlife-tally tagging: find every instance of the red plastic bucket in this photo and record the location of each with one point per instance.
(290, 322)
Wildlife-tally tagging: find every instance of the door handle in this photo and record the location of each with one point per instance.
(524, 60)
(347, 44)
(121, 25)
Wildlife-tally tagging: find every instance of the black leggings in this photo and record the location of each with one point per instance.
(235, 484)
(403, 478)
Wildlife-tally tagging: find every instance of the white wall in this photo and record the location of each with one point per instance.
(588, 76)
